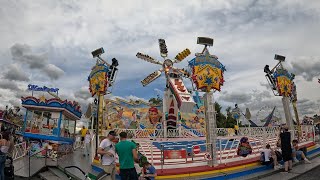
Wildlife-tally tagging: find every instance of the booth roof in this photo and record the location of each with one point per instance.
(70, 109)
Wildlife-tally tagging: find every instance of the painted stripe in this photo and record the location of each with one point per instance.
(208, 172)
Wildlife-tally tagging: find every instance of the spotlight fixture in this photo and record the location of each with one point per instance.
(114, 62)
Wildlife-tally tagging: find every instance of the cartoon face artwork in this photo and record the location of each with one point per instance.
(154, 116)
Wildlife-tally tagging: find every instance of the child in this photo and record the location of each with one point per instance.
(149, 172)
(87, 140)
(297, 153)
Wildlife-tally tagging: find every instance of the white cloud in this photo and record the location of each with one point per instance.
(14, 72)
(53, 71)
(247, 35)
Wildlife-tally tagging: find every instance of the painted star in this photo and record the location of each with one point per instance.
(42, 99)
(208, 81)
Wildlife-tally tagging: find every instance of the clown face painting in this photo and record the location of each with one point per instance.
(154, 116)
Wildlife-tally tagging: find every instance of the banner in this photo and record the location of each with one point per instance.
(175, 154)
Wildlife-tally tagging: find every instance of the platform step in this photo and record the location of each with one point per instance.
(48, 175)
(58, 173)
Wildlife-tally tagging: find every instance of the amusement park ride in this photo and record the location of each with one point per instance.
(102, 77)
(176, 96)
(281, 82)
(207, 75)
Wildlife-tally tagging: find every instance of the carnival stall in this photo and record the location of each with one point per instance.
(50, 119)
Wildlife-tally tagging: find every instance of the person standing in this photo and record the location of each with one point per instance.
(107, 150)
(87, 141)
(4, 148)
(127, 153)
(286, 149)
(83, 133)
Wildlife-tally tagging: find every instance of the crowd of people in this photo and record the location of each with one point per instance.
(128, 157)
(127, 152)
(286, 150)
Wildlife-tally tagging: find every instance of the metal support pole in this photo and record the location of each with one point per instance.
(162, 157)
(29, 164)
(164, 109)
(289, 122)
(294, 105)
(211, 125)
(97, 125)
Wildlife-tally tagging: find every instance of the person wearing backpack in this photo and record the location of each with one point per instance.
(268, 156)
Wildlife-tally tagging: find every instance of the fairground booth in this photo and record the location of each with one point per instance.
(50, 119)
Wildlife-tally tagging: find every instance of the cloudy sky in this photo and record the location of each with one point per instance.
(50, 43)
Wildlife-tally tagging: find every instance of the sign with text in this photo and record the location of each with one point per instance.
(32, 87)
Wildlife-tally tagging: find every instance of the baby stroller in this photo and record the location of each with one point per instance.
(9, 169)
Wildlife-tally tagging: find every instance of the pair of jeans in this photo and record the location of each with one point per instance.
(86, 150)
(3, 158)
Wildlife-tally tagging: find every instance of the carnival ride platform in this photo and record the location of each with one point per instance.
(191, 165)
(226, 154)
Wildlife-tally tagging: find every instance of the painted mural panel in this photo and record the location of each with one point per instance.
(128, 115)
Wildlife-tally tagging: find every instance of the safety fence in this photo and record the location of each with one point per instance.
(167, 154)
(307, 132)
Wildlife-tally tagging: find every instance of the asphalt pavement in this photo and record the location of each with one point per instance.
(313, 174)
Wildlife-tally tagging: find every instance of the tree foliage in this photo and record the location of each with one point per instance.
(155, 101)
(224, 121)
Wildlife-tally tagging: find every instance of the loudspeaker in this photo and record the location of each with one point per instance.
(97, 52)
(279, 57)
(205, 41)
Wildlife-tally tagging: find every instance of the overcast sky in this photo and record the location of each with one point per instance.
(50, 43)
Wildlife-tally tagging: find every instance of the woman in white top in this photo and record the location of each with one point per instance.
(4, 147)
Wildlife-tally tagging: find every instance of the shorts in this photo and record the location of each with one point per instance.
(128, 174)
(287, 156)
(298, 154)
(82, 138)
(268, 162)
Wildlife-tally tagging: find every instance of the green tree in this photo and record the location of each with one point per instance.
(221, 118)
(155, 101)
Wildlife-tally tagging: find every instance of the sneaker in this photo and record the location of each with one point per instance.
(307, 161)
(280, 166)
(276, 168)
(284, 172)
(295, 160)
